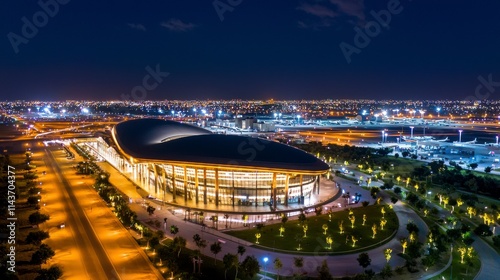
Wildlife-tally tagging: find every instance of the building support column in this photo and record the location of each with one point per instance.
(216, 187)
(185, 184)
(317, 189)
(301, 189)
(164, 181)
(156, 179)
(287, 177)
(196, 184)
(204, 186)
(174, 193)
(275, 203)
(256, 189)
(232, 188)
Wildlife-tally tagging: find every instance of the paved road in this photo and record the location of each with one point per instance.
(490, 261)
(109, 243)
(94, 257)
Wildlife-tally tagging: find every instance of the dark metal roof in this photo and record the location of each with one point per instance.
(160, 140)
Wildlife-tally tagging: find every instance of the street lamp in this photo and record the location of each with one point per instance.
(421, 113)
(265, 266)
(383, 132)
(298, 119)
(497, 139)
(460, 136)
(275, 115)
(438, 109)
(411, 127)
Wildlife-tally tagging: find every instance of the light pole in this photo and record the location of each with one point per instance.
(497, 139)
(275, 115)
(460, 136)
(422, 114)
(411, 127)
(265, 266)
(298, 119)
(383, 136)
(438, 109)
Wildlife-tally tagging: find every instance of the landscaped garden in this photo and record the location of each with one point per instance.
(336, 232)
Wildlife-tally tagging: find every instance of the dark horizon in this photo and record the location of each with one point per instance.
(304, 49)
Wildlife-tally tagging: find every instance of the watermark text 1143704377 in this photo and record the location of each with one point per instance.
(11, 218)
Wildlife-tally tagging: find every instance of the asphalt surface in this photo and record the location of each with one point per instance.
(107, 249)
(97, 263)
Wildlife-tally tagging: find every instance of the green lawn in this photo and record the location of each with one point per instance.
(402, 166)
(316, 240)
(460, 270)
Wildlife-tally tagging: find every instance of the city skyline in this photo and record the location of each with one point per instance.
(60, 50)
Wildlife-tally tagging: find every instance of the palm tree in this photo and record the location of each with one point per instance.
(226, 216)
(229, 260)
(178, 243)
(278, 265)
(174, 229)
(215, 248)
(241, 250)
(298, 262)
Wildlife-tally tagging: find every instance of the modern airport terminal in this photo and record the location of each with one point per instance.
(190, 167)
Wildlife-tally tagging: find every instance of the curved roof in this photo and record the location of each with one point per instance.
(169, 141)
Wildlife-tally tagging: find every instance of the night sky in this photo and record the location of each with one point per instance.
(259, 50)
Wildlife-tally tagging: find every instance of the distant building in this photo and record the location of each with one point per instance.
(245, 123)
(264, 126)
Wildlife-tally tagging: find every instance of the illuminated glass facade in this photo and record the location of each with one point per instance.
(206, 186)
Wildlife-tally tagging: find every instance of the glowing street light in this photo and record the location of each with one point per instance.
(460, 136)
(438, 109)
(497, 139)
(422, 113)
(411, 127)
(265, 265)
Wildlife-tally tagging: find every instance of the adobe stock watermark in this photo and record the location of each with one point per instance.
(222, 6)
(484, 89)
(150, 82)
(29, 29)
(250, 146)
(363, 37)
